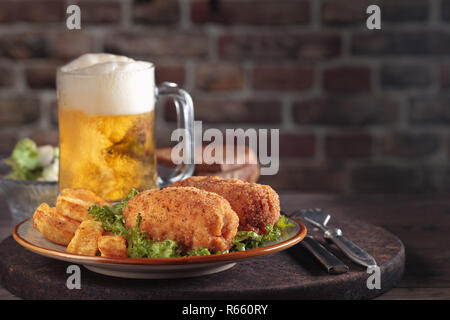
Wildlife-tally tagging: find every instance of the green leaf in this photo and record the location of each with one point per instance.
(24, 161)
(164, 249)
(56, 152)
(25, 154)
(199, 252)
(245, 240)
(283, 223)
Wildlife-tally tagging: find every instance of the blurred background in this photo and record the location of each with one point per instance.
(359, 111)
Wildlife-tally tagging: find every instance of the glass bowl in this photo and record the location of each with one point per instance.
(24, 196)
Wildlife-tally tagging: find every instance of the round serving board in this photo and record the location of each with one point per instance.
(290, 274)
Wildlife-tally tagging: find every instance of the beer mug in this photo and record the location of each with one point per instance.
(106, 111)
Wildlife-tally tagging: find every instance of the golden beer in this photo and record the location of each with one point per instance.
(107, 154)
(106, 123)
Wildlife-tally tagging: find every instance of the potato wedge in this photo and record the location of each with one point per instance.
(53, 226)
(113, 246)
(74, 203)
(85, 240)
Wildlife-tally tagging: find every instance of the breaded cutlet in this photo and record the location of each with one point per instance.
(256, 205)
(193, 217)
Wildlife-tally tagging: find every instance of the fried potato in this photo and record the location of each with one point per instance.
(74, 203)
(85, 240)
(113, 246)
(53, 226)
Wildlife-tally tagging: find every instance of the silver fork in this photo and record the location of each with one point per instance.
(320, 218)
(332, 264)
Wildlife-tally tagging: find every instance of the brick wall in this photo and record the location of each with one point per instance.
(359, 110)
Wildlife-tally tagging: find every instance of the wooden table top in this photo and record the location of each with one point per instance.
(422, 222)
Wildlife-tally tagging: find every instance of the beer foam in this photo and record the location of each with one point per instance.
(106, 84)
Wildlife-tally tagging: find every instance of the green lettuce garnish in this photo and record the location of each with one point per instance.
(25, 161)
(283, 223)
(199, 252)
(245, 240)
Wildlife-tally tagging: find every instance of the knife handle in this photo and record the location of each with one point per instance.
(326, 258)
(350, 249)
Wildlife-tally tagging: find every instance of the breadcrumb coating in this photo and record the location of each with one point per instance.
(256, 205)
(193, 217)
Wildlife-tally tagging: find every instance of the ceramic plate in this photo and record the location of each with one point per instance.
(152, 268)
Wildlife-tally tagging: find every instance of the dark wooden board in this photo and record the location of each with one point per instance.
(292, 274)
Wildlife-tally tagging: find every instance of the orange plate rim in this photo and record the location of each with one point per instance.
(163, 261)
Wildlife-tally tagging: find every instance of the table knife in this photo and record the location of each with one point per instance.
(325, 257)
(320, 218)
(332, 264)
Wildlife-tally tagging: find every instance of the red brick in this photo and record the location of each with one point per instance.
(276, 45)
(42, 75)
(18, 109)
(7, 142)
(405, 10)
(297, 145)
(224, 110)
(353, 145)
(8, 76)
(25, 45)
(31, 44)
(445, 10)
(387, 179)
(44, 136)
(253, 12)
(283, 77)
(54, 112)
(354, 11)
(445, 76)
(308, 178)
(156, 12)
(100, 12)
(71, 44)
(344, 12)
(170, 73)
(440, 178)
(158, 44)
(346, 110)
(238, 111)
(411, 145)
(401, 42)
(219, 77)
(32, 11)
(448, 147)
(430, 110)
(347, 79)
(405, 76)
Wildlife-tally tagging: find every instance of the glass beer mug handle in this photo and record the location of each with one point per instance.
(185, 120)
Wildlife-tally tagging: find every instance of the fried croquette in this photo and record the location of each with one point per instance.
(85, 240)
(53, 226)
(195, 218)
(256, 205)
(74, 203)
